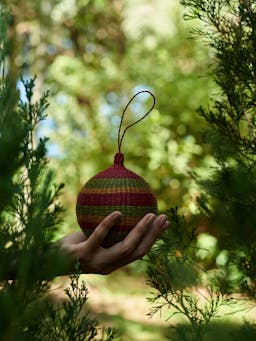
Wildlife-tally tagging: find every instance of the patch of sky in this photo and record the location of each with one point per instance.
(61, 99)
(106, 109)
(45, 127)
(51, 49)
(67, 43)
(90, 48)
(112, 97)
(21, 89)
(115, 120)
(138, 104)
(3, 68)
(53, 150)
(141, 87)
(112, 109)
(111, 106)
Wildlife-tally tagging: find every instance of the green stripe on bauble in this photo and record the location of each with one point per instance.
(116, 182)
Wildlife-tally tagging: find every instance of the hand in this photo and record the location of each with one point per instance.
(95, 259)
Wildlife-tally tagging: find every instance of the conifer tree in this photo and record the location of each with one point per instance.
(230, 190)
(228, 193)
(29, 217)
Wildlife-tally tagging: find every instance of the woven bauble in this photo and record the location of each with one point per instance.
(115, 189)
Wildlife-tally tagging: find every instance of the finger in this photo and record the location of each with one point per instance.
(117, 252)
(149, 238)
(102, 230)
(158, 226)
(131, 241)
(140, 230)
(139, 252)
(75, 238)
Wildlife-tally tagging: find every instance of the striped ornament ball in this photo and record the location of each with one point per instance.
(114, 189)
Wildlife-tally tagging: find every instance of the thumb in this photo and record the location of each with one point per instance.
(101, 231)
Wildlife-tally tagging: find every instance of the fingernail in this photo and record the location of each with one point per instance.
(163, 219)
(116, 214)
(166, 225)
(150, 218)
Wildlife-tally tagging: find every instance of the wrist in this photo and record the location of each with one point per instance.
(71, 254)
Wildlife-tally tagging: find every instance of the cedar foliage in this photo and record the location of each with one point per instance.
(227, 196)
(230, 189)
(29, 217)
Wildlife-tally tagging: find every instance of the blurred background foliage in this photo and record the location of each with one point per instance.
(94, 55)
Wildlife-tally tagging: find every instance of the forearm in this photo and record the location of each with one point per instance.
(59, 258)
(36, 264)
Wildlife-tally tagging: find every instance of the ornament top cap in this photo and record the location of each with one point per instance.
(119, 159)
(120, 137)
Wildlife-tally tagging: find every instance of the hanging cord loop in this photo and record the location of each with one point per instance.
(120, 138)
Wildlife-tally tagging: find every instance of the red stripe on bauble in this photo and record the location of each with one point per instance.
(118, 228)
(117, 172)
